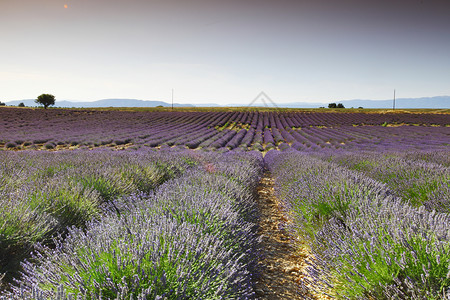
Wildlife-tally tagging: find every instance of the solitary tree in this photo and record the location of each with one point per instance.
(46, 100)
(340, 105)
(21, 104)
(332, 105)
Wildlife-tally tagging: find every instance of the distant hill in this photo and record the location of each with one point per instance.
(102, 103)
(442, 102)
(427, 102)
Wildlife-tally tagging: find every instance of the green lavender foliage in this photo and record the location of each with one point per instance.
(417, 181)
(192, 238)
(377, 247)
(44, 193)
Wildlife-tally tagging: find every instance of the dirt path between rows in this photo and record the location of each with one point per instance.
(283, 261)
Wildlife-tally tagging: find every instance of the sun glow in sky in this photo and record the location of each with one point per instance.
(212, 51)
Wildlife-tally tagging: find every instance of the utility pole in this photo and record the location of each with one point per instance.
(172, 99)
(393, 106)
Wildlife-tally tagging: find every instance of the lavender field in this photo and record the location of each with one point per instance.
(247, 130)
(162, 205)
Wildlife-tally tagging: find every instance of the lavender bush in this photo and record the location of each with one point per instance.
(367, 243)
(315, 191)
(416, 181)
(388, 250)
(43, 193)
(192, 238)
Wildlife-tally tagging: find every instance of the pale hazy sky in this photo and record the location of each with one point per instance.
(224, 51)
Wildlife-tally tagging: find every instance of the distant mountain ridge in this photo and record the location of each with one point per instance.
(102, 103)
(439, 102)
(424, 102)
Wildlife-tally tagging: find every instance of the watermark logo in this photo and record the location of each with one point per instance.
(265, 99)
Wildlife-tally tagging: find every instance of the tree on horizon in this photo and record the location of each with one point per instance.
(46, 100)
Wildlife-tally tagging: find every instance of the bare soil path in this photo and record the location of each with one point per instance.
(283, 258)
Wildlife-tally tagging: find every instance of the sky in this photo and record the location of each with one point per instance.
(228, 51)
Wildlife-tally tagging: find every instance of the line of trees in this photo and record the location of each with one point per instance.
(45, 99)
(334, 105)
(21, 104)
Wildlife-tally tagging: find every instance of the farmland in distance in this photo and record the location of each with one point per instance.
(226, 130)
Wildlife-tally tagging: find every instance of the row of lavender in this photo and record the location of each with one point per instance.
(193, 238)
(369, 238)
(422, 178)
(42, 193)
(50, 129)
(364, 138)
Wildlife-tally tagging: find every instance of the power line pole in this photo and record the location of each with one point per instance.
(393, 106)
(172, 99)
